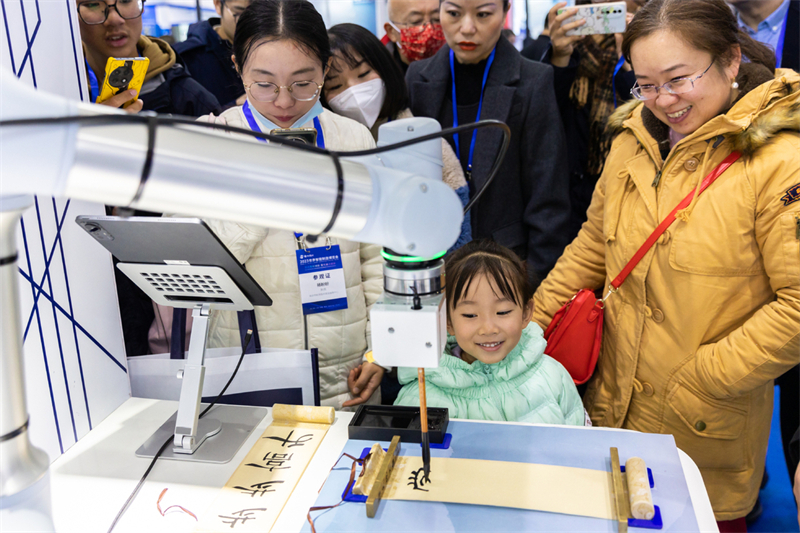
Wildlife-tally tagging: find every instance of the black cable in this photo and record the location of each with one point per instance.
(152, 126)
(337, 206)
(169, 439)
(498, 160)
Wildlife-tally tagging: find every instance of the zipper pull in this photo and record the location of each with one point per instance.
(657, 179)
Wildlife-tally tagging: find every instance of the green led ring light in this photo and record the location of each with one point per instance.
(410, 258)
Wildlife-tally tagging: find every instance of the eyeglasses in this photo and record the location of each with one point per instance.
(676, 86)
(96, 11)
(416, 23)
(302, 91)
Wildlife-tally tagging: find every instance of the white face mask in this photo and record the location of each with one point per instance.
(362, 102)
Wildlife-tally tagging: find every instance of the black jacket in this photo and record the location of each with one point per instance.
(791, 43)
(396, 55)
(208, 59)
(576, 125)
(176, 92)
(526, 207)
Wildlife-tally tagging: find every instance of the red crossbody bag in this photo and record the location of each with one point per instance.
(575, 334)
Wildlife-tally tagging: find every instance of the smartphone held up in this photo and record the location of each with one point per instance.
(123, 74)
(602, 18)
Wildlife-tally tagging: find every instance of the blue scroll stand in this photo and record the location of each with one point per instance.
(348, 495)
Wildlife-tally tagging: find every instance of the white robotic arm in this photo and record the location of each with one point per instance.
(216, 176)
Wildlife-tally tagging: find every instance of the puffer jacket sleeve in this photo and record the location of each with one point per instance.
(240, 239)
(372, 279)
(768, 343)
(567, 396)
(435, 397)
(583, 263)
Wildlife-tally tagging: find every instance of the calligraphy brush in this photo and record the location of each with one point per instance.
(423, 417)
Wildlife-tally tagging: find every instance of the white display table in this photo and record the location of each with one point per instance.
(92, 480)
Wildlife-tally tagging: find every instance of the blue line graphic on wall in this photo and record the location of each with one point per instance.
(70, 5)
(55, 322)
(29, 39)
(38, 290)
(72, 313)
(41, 337)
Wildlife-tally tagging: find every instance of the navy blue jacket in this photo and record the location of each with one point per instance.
(208, 59)
(178, 94)
(791, 44)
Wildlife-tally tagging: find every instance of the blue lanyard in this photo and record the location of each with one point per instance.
(480, 105)
(94, 87)
(613, 77)
(779, 49)
(251, 121)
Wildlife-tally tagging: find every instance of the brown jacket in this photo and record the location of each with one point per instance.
(711, 315)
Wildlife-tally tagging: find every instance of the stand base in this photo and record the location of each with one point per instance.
(237, 424)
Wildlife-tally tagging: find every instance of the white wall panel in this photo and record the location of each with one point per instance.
(74, 354)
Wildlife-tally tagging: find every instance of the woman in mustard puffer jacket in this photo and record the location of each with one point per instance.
(711, 315)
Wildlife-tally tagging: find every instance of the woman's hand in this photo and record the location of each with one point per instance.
(119, 99)
(563, 44)
(211, 118)
(362, 382)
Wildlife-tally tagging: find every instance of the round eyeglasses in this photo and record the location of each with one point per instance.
(676, 86)
(96, 11)
(302, 91)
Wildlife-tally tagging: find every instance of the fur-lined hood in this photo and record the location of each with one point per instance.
(766, 106)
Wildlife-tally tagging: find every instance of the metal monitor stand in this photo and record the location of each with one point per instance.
(218, 436)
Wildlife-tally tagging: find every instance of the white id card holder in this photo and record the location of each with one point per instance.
(322, 286)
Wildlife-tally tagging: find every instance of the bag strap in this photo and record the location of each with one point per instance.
(667, 222)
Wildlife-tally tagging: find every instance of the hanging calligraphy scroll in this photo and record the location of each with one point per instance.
(257, 491)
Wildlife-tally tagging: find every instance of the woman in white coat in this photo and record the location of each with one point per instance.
(282, 53)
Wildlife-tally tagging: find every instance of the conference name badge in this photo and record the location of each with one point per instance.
(322, 287)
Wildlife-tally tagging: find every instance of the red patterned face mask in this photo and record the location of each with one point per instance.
(421, 42)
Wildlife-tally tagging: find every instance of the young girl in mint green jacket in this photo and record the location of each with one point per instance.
(494, 367)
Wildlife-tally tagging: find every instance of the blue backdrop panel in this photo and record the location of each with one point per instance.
(563, 446)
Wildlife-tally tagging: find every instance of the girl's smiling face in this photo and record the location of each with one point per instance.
(282, 62)
(486, 324)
